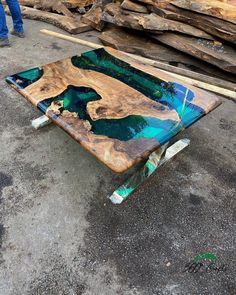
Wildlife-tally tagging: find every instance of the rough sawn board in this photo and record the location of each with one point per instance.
(118, 109)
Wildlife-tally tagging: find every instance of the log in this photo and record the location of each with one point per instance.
(68, 3)
(77, 3)
(154, 22)
(130, 5)
(215, 53)
(29, 3)
(137, 43)
(68, 24)
(214, 8)
(114, 14)
(212, 25)
(54, 6)
(160, 3)
(94, 16)
(229, 92)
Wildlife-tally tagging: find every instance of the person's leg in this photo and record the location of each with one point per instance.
(16, 15)
(3, 28)
(3, 23)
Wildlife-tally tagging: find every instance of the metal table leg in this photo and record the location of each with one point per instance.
(155, 160)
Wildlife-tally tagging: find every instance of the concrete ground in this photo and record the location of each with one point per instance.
(60, 235)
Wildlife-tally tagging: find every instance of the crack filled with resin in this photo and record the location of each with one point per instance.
(75, 100)
(118, 109)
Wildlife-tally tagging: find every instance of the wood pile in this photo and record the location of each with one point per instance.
(63, 14)
(194, 34)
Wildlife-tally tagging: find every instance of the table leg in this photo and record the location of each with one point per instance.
(41, 122)
(155, 160)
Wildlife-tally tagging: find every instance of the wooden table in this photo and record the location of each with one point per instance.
(116, 108)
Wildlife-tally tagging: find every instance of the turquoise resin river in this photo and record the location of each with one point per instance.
(75, 99)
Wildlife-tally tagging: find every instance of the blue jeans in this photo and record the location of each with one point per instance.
(16, 17)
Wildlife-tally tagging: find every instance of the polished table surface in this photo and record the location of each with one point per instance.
(117, 108)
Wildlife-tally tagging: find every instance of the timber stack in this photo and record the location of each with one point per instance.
(193, 34)
(196, 35)
(64, 14)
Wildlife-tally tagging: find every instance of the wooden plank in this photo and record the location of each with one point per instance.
(68, 24)
(220, 55)
(77, 3)
(94, 16)
(154, 22)
(54, 6)
(125, 40)
(160, 3)
(136, 7)
(137, 43)
(68, 3)
(211, 25)
(29, 3)
(214, 8)
(113, 14)
(118, 118)
(147, 22)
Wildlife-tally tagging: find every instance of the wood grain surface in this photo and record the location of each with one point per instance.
(215, 53)
(116, 108)
(214, 8)
(148, 22)
(69, 24)
(214, 26)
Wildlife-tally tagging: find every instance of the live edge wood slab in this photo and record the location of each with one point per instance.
(118, 109)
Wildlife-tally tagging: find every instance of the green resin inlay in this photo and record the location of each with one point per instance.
(75, 99)
(173, 95)
(101, 61)
(32, 75)
(24, 79)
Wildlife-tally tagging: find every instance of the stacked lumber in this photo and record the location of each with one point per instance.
(63, 14)
(197, 34)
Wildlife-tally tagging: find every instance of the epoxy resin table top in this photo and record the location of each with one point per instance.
(118, 109)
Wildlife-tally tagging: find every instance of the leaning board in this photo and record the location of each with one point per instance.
(118, 109)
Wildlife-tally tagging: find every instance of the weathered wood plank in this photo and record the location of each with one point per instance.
(137, 43)
(220, 55)
(136, 7)
(113, 14)
(211, 25)
(54, 6)
(210, 7)
(68, 24)
(94, 16)
(149, 22)
(154, 22)
(67, 3)
(159, 3)
(77, 3)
